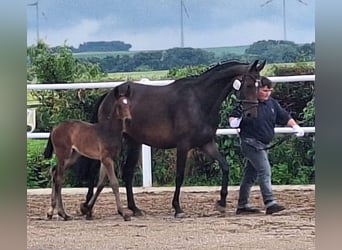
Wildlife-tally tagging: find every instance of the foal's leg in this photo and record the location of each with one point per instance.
(133, 152)
(211, 149)
(59, 181)
(86, 208)
(53, 193)
(181, 160)
(108, 163)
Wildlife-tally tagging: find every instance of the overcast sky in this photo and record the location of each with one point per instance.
(155, 24)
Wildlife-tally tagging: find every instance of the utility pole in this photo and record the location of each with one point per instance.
(182, 10)
(182, 25)
(284, 14)
(37, 17)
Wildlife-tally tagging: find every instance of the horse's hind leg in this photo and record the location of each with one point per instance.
(59, 174)
(108, 163)
(212, 151)
(53, 193)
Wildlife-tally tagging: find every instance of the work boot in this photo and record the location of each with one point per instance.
(274, 209)
(247, 210)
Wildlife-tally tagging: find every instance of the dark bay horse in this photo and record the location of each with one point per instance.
(100, 141)
(184, 115)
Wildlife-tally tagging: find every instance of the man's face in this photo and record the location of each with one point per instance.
(264, 93)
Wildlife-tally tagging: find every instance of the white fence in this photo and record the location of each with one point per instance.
(146, 150)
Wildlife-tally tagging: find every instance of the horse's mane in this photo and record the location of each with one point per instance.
(215, 67)
(222, 64)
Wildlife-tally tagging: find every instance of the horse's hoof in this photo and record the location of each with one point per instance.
(221, 209)
(84, 208)
(179, 215)
(127, 217)
(49, 216)
(138, 213)
(89, 217)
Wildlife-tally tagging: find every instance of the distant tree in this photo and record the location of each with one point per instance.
(181, 57)
(103, 46)
(281, 51)
(48, 65)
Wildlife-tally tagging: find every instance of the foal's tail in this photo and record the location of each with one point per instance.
(48, 149)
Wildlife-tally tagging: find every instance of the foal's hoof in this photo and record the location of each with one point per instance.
(65, 216)
(219, 207)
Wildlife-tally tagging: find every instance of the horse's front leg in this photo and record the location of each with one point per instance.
(212, 150)
(181, 161)
(133, 153)
(108, 163)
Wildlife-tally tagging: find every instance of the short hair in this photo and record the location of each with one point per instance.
(266, 82)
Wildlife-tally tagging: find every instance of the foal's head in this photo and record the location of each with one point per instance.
(122, 107)
(247, 88)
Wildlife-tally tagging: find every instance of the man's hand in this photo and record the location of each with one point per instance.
(298, 130)
(234, 122)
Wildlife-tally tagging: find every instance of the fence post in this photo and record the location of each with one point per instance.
(146, 166)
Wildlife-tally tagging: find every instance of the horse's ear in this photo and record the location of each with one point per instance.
(257, 66)
(253, 66)
(128, 91)
(260, 66)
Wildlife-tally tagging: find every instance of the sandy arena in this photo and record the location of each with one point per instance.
(202, 228)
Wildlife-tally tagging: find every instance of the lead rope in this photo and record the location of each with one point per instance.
(280, 141)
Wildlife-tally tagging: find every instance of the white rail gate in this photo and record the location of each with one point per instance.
(146, 150)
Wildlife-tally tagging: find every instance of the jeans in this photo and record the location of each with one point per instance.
(256, 167)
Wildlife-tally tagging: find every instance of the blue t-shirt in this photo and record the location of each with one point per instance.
(261, 128)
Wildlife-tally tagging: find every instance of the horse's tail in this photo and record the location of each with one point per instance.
(48, 149)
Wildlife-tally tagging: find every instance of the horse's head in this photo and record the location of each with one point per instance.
(122, 107)
(247, 88)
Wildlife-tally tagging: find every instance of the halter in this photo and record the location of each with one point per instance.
(242, 101)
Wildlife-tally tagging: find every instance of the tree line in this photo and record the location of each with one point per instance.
(271, 50)
(275, 51)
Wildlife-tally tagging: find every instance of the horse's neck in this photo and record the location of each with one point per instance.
(214, 89)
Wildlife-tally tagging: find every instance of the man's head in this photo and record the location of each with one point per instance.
(265, 89)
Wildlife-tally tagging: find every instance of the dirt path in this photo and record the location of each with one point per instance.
(203, 227)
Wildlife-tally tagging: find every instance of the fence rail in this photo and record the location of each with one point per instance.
(146, 150)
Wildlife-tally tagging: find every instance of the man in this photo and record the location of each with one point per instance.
(255, 135)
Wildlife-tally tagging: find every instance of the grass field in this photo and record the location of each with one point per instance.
(218, 51)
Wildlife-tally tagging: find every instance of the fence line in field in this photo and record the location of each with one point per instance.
(146, 150)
